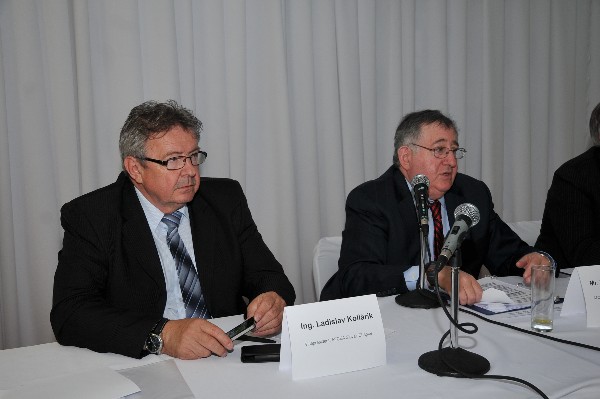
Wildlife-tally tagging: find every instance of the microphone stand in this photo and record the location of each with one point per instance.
(421, 297)
(454, 301)
(453, 360)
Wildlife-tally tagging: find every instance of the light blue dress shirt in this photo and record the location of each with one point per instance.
(174, 308)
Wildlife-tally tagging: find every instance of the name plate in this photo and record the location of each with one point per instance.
(332, 337)
(583, 294)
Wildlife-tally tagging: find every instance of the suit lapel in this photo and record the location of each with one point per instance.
(203, 223)
(138, 241)
(404, 199)
(454, 198)
(452, 201)
(406, 212)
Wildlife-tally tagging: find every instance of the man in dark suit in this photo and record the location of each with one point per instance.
(147, 260)
(381, 245)
(572, 212)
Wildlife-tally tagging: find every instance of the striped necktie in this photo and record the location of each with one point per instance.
(188, 277)
(438, 228)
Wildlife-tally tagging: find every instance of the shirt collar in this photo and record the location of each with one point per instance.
(153, 214)
(412, 193)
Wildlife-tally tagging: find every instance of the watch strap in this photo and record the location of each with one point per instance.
(154, 343)
(158, 327)
(430, 270)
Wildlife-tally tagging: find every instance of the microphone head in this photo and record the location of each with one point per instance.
(468, 210)
(419, 179)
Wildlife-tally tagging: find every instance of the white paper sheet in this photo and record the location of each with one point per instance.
(102, 383)
(500, 297)
(160, 380)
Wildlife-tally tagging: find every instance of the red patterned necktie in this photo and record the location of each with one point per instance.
(438, 229)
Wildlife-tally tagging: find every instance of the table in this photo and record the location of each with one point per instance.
(559, 370)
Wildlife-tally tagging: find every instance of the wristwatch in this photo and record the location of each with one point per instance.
(430, 270)
(154, 342)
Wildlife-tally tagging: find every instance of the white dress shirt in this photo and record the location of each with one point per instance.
(411, 276)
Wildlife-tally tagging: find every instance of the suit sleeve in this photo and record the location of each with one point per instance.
(262, 272)
(504, 247)
(570, 224)
(364, 266)
(81, 315)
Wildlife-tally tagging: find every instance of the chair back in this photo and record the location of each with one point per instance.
(325, 261)
(528, 230)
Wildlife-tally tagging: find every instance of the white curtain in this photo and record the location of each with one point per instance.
(299, 100)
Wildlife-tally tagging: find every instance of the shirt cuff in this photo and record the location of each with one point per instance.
(411, 277)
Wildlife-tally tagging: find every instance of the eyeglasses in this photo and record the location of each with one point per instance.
(176, 163)
(442, 152)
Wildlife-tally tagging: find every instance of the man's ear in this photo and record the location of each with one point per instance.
(134, 168)
(404, 157)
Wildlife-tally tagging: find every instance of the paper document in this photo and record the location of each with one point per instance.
(101, 383)
(500, 297)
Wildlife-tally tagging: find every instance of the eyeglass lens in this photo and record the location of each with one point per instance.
(178, 163)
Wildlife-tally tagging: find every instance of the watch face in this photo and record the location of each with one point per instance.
(154, 344)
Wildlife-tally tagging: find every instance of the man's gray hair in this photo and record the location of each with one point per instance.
(150, 119)
(409, 129)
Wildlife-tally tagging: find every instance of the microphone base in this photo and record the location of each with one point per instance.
(461, 359)
(418, 299)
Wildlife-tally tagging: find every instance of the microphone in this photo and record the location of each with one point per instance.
(420, 298)
(420, 184)
(465, 216)
(455, 361)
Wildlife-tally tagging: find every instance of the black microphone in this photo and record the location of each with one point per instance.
(420, 184)
(465, 216)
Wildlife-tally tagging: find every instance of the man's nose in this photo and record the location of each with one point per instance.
(188, 168)
(451, 159)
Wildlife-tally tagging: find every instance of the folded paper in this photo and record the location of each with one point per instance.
(332, 337)
(583, 294)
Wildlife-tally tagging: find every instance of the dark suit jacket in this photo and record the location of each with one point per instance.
(381, 238)
(109, 288)
(571, 224)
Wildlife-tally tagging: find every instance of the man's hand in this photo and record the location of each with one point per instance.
(470, 290)
(533, 258)
(194, 338)
(267, 310)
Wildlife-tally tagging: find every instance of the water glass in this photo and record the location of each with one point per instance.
(542, 298)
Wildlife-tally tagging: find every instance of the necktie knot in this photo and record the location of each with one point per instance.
(172, 220)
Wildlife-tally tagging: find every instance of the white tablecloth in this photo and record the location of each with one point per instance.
(559, 370)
